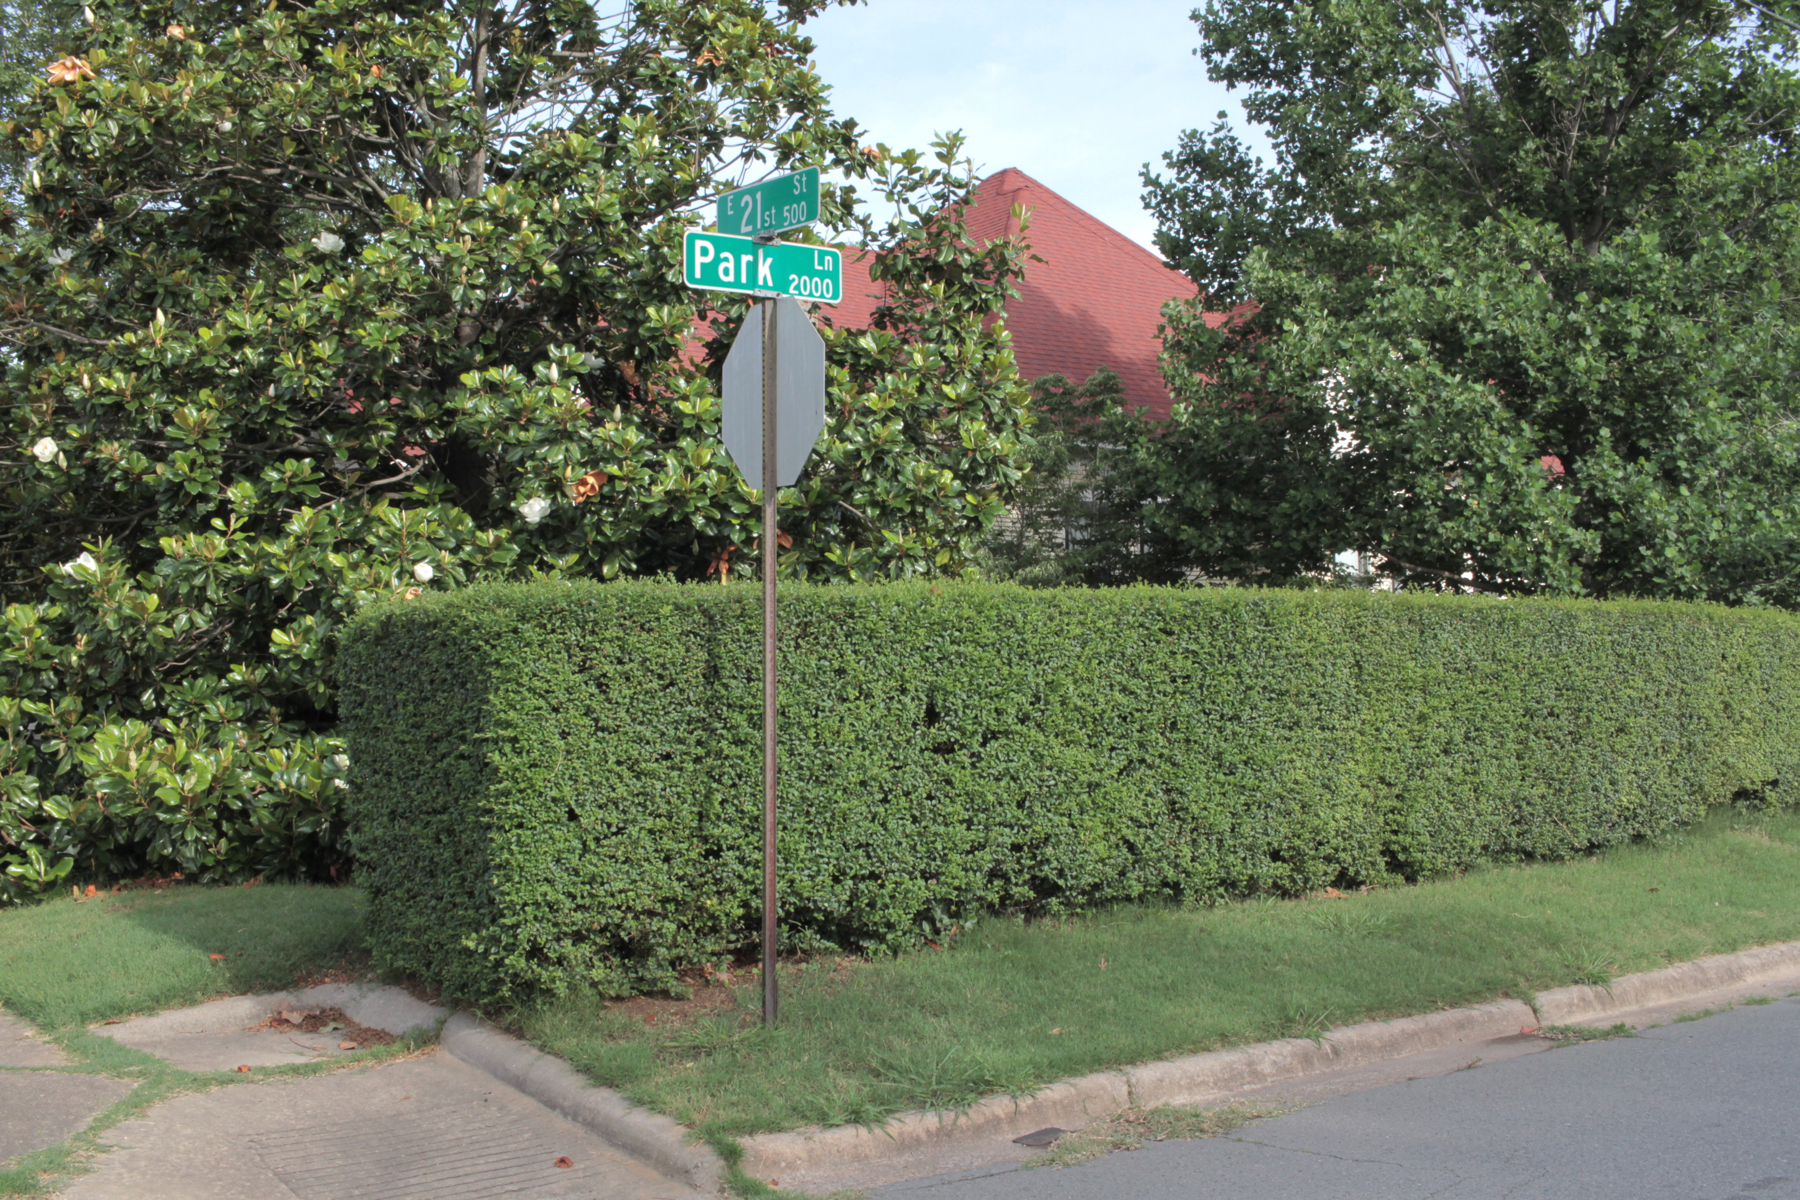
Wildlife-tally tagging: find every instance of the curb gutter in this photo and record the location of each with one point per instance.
(1194, 1080)
(648, 1136)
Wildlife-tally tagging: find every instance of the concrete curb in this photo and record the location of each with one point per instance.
(648, 1136)
(1212, 1077)
(1572, 1004)
(1194, 1080)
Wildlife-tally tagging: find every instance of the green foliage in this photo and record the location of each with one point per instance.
(1523, 309)
(331, 300)
(559, 785)
(30, 31)
(1077, 518)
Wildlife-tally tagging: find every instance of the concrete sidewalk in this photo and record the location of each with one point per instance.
(428, 1126)
(424, 1125)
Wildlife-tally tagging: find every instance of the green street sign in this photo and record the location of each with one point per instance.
(721, 262)
(786, 202)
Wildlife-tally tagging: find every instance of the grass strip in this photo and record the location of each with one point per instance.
(1011, 1005)
(67, 962)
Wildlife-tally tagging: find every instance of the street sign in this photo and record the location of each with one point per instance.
(799, 393)
(722, 262)
(785, 202)
(774, 407)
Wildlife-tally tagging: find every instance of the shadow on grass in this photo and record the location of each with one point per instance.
(73, 962)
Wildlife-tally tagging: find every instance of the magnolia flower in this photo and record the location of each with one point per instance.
(328, 242)
(176, 32)
(44, 449)
(84, 559)
(69, 70)
(589, 485)
(59, 258)
(423, 572)
(533, 510)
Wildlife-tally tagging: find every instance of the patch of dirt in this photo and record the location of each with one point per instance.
(711, 990)
(350, 1035)
(703, 1000)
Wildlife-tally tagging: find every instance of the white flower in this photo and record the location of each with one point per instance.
(533, 510)
(84, 559)
(328, 242)
(423, 572)
(44, 449)
(591, 362)
(59, 258)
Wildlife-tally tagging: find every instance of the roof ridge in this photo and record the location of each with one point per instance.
(1111, 235)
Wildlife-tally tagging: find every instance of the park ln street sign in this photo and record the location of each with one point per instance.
(773, 402)
(785, 202)
(725, 263)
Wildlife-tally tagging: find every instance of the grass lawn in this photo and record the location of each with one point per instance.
(68, 962)
(1010, 1004)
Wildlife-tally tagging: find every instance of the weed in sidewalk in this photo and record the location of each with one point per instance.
(1131, 1128)
(1570, 1035)
(1592, 968)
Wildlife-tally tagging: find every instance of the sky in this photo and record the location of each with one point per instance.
(1078, 94)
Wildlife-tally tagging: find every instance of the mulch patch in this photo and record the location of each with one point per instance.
(326, 1020)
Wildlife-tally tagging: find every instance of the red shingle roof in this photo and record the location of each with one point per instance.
(1095, 301)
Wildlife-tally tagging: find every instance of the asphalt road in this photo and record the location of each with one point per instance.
(1699, 1110)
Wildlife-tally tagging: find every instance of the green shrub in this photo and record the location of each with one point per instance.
(559, 785)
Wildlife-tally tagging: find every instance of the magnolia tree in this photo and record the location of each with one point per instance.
(319, 302)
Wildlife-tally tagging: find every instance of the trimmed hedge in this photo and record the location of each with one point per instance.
(558, 785)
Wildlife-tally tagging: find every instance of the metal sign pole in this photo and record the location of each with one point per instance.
(770, 534)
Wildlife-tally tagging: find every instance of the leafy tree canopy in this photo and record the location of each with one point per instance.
(1080, 517)
(314, 302)
(1522, 282)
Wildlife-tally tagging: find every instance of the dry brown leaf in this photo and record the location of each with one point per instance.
(243, 1070)
(565, 1162)
(346, 1045)
(216, 957)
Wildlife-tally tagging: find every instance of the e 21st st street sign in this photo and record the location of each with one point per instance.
(787, 202)
(723, 262)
